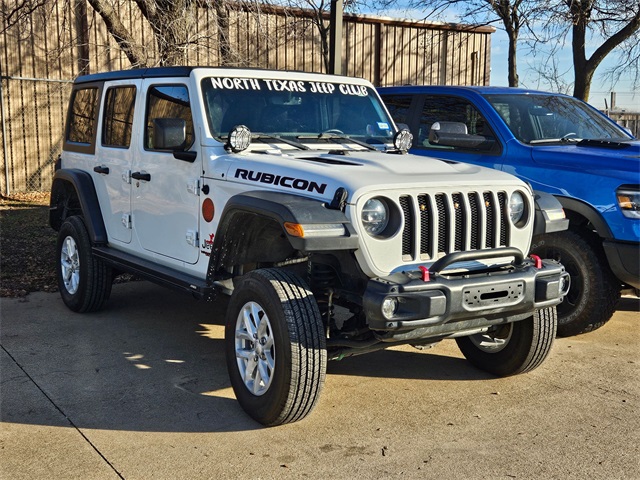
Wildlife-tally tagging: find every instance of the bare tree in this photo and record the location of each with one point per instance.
(613, 25)
(173, 25)
(134, 51)
(12, 13)
(316, 12)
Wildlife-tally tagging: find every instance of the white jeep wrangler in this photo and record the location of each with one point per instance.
(293, 193)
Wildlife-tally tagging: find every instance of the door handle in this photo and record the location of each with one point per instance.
(141, 176)
(101, 169)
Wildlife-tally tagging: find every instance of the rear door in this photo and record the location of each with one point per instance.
(165, 201)
(114, 156)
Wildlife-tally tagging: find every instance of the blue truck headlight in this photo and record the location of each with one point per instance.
(629, 201)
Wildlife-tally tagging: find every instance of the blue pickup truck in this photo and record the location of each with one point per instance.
(559, 145)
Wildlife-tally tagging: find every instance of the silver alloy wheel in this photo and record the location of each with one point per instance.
(255, 348)
(493, 341)
(70, 263)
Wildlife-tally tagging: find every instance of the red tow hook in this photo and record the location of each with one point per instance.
(425, 273)
(537, 261)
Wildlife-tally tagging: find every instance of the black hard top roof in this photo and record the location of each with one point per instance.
(153, 72)
(156, 72)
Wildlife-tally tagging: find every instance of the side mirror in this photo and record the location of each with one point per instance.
(454, 134)
(169, 133)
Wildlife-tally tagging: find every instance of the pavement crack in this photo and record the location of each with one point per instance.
(32, 380)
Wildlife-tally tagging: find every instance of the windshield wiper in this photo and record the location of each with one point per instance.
(337, 136)
(265, 136)
(595, 142)
(555, 140)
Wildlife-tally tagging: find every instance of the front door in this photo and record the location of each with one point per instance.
(165, 201)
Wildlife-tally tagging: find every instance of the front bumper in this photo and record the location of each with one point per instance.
(624, 260)
(459, 302)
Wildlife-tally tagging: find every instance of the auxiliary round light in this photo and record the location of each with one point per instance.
(403, 140)
(239, 138)
(389, 307)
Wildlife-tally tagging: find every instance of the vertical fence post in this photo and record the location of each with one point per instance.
(444, 54)
(335, 37)
(7, 190)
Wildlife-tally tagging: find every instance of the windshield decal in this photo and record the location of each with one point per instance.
(296, 86)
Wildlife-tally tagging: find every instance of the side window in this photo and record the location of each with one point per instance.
(82, 116)
(440, 108)
(169, 124)
(118, 116)
(398, 106)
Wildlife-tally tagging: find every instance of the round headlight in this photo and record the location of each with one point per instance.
(516, 207)
(375, 216)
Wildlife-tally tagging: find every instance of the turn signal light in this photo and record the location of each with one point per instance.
(294, 229)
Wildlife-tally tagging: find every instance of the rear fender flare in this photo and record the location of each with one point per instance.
(81, 183)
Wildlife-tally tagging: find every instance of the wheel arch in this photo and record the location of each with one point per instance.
(580, 213)
(251, 230)
(73, 190)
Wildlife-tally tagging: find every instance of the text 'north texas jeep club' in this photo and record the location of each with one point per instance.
(293, 194)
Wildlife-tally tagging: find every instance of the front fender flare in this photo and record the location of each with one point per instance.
(278, 208)
(549, 215)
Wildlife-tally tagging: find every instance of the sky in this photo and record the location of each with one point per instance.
(626, 98)
(601, 89)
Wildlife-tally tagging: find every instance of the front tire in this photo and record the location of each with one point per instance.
(275, 347)
(83, 280)
(512, 348)
(594, 291)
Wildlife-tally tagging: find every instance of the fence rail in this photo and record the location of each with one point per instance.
(630, 121)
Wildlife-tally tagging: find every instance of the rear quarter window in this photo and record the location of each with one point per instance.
(82, 119)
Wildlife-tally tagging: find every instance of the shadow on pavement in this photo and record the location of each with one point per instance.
(152, 360)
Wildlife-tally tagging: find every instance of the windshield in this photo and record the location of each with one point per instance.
(302, 111)
(539, 119)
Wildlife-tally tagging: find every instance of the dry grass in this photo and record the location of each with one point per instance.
(27, 245)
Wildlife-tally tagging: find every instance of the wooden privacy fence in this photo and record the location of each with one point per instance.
(629, 120)
(44, 52)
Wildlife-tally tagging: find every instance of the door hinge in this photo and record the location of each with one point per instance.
(192, 238)
(194, 187)
(126, 177)
(126, 220)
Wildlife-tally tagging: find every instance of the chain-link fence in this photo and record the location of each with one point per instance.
(32, 118)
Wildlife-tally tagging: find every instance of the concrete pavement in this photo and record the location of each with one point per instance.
(140, 391)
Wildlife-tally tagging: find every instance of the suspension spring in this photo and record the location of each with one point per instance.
(322, 279)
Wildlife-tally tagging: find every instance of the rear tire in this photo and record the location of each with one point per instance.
(83, 280)
(512, 348)
(594, 290)
(275, 347)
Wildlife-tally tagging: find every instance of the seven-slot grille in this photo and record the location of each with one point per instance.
(444, 223)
